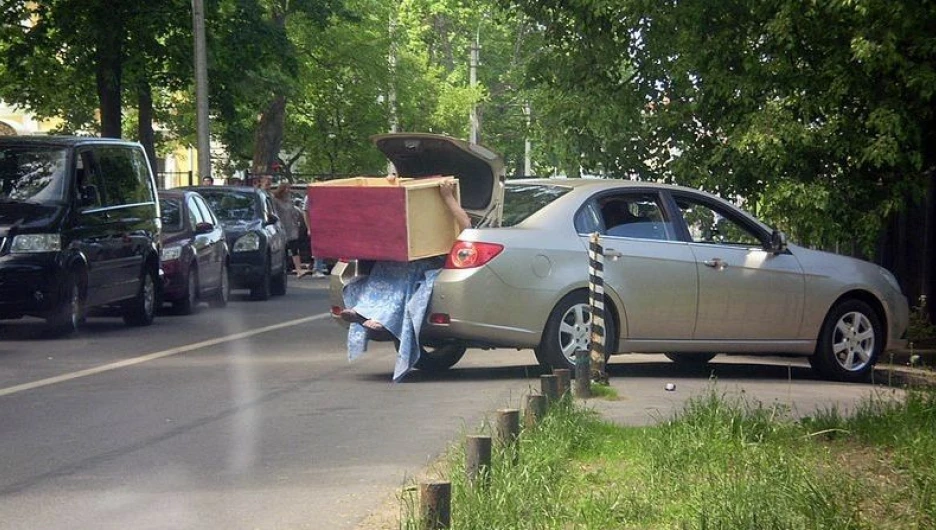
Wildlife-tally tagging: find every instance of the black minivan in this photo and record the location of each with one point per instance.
(79, 229)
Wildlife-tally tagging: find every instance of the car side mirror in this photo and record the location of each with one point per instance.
(203, 227)
(271, 220)
(777, 243)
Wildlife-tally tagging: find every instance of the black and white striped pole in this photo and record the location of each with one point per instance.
(596, 302)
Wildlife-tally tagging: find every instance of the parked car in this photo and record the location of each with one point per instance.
(256, 238)
(194, 252)
(79, 229)
(685, 273)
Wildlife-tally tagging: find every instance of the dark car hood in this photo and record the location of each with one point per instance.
(479, 170)
(27, 215)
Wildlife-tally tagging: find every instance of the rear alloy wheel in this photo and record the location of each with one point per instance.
(261, 289)
(69, 315)
(440, 358)
(690, 358)
(223, 294)
(849, 344)
(142, 309)
(568, 330)
(189, 304)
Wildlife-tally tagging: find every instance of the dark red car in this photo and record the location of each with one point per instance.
(194, 252)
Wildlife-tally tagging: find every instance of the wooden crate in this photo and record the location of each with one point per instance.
(373, 218)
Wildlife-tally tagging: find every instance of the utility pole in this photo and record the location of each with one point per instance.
(527, 162)
(392, 60)
(201, 90)
(473, 76)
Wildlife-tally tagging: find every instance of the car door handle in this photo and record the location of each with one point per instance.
(613, 254)
(715, 263)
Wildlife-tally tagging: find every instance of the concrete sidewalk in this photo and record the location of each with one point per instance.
(649, 392)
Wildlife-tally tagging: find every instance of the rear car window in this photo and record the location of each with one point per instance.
(231, 205)
(171, 210)
(523, 200)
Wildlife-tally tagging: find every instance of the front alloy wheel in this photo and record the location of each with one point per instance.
(850, 342)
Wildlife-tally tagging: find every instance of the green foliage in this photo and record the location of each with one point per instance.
(739, 97)
(722, 462)
(920, 328)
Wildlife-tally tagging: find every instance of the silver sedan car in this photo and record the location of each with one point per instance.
(686, 274)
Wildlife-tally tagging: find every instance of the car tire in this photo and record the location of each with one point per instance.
(261, 289)
(568, 329)
(440, 358)
(141, 310)
(188, 304)
(690, 358)
(223, 294)
(850, 342)
(69, 315)
(278, 287)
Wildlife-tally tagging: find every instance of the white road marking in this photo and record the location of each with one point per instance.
(153, 356)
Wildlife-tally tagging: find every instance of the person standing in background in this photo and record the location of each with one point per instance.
(318, 265)
(290, 219)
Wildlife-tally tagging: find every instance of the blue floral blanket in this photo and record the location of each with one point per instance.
(396, 294)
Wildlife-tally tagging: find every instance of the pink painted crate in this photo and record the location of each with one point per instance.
(373, 218)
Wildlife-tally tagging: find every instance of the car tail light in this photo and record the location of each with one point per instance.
(468, 255)
(440, 318)
(336, 310)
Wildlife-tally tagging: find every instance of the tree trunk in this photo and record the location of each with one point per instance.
(145, 126)
(269, 137)
(108, 77)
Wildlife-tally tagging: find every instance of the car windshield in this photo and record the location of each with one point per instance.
(231, 205)
(523, 200)
(32, 174)
(171, 210)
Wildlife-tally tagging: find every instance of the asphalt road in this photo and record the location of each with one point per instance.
(251, 417)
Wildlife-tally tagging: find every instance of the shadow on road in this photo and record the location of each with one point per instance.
(728, 369)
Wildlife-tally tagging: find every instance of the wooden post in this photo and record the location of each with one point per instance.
(564, 379)
(549, 385)
(535, 410)
(478, 459)
(508, 426)
(508, 430)
(435, 505)
(582, 374)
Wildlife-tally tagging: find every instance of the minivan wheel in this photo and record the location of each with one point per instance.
(223, 294)
(141, 310)
(849, 343)
(69, 316)
(569, 330)
(188, 305)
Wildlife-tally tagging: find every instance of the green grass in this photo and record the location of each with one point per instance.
(721, 463)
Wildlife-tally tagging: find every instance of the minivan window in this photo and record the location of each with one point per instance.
(33, 174)
(523, 200)
(123, 175)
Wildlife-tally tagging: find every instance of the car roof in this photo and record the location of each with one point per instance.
(61, 140)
